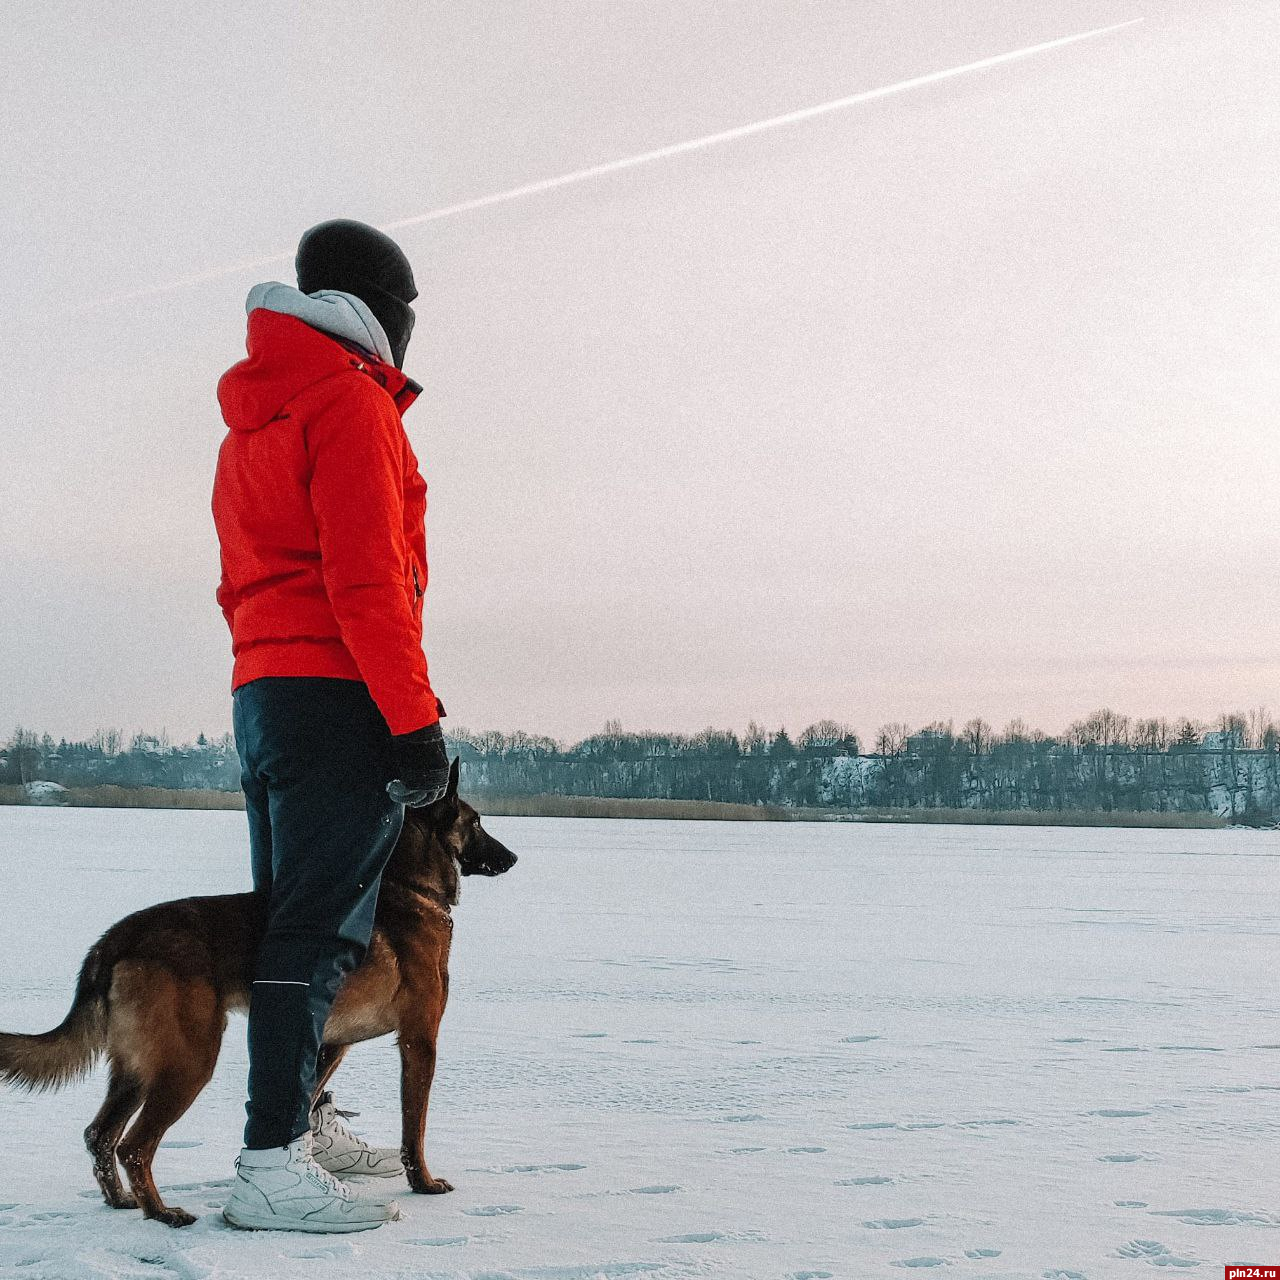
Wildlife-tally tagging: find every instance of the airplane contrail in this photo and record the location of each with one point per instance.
(644, 157)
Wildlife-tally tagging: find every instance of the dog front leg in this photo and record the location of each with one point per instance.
(417, 1067)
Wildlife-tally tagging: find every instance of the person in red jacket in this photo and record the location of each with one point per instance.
(319, 508)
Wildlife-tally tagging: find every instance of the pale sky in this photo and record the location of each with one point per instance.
(957, 402)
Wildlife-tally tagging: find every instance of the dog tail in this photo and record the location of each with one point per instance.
(54, 1058)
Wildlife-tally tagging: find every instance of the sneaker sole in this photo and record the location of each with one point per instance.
(253, 1222)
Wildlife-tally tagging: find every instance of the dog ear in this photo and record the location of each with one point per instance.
(452, 792)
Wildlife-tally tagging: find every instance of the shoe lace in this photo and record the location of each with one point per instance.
(322, 1178)
(334, 1122)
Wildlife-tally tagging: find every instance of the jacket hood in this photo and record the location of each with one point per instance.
(341, 314)
(297, 339)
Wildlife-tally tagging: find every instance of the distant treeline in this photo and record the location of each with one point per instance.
(1105, 762)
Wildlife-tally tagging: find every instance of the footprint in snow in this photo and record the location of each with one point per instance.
(541, 1168)
(1116, 1113)
(875, 1124)
(1123, 1157)
(810, 1275)
(748, 1118)
(693, 1237)
(859, 1039)
(927, 1261)
(1154, 1252)
(661, 1189)
(1059, 1274)
(1130, 1204)
(1218, 1217)
(805, 1151)
(874, 1180)
(590, 1035)
(437, 1242)
(893, 1224)
(180, 1146)
(982, 1253)
(493, 1210)
(746, 1151)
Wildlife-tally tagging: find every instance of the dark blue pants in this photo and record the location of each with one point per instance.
(315, 761)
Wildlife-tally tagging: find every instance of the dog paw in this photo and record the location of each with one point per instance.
(173, 1217)
(124, 1201)
(429, 1186)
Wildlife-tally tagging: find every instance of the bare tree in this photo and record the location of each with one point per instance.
(977, 736)
(1154, 734)
(1105, 729)
(1016, 731)
(828, 734)
(891, 739)
(1260, 730)
(24, 751)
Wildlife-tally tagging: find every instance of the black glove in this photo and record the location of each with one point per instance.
(421, 767)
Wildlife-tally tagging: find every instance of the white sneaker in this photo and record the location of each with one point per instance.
(335, 1148)
(283, 1189)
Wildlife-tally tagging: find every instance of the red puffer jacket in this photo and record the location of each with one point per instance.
(320, 513)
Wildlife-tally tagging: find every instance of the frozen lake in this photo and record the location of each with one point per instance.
(756, 1050)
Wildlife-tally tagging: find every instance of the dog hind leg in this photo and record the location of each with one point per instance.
(166, 1102)
(174, 1051)
(124, 1094)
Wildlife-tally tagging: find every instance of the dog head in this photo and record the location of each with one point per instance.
(458, 826)
(444, 840)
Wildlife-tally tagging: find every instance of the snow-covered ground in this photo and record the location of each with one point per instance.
(754, 1050)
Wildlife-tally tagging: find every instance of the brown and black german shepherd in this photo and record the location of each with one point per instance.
(155, 990)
